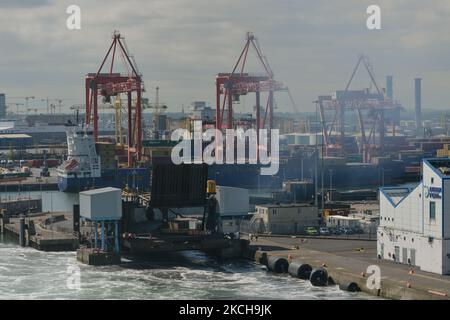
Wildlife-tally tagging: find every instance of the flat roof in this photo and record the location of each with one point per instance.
(14, 136)
(343, 218)
(287, 205)
(100, 191)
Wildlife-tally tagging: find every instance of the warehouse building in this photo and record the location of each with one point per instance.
(415, 222)
(16, 140)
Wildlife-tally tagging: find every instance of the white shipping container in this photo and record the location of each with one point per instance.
(101, 204)
(233, 201)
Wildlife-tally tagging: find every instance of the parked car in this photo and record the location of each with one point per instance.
(335, 231)
(311, 231)
(324, 231)
(346, 231)
(358, 230)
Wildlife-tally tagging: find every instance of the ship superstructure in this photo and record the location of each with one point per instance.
(83, 170)
(82, 166)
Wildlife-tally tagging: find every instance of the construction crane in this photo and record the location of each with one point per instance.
(47, 100)
(375, 103)
(444, 122)
(17, 105)
(157, 109)
(33, 109)
(119, 110)
(51, 106)
(157, 106)
(111, 84)
(237, 83)
(27, 99)
(59, 101)
(77, 108)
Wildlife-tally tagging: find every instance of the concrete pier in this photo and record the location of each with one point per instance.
(348, 261)
(28, 186)
(20, 206)
(95, 257)
(31, 232)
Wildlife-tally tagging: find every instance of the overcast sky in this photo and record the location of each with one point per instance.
(180, 45)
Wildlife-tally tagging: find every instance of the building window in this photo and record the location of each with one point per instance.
(432, 211)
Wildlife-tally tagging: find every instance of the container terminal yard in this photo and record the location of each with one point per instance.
(361, 181)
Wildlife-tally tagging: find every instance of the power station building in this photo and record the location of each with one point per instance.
(415, 222)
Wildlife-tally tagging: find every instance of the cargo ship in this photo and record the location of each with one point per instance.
(344, 172)
(243, 176)
(92, 165)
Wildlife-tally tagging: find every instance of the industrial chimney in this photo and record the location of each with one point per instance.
(418, 105)
(389, 87)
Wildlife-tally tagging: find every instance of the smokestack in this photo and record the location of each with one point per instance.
(418, 105)
(389, 87)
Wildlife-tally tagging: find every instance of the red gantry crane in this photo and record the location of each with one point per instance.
(348, 100)
(237, 83)
(112, 84)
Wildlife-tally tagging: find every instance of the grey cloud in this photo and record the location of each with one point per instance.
(182, 44)
(7, 4)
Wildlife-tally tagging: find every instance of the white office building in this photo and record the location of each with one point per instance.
(415, 222)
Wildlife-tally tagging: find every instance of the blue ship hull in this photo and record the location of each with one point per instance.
(134, 178)
(242, 176)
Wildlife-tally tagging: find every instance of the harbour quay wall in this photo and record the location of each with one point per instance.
(25, 187)
(15, 207)
(395, 281)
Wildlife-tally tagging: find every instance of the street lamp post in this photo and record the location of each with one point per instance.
(331, 184)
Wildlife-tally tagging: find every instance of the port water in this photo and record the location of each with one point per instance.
(26, 273)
